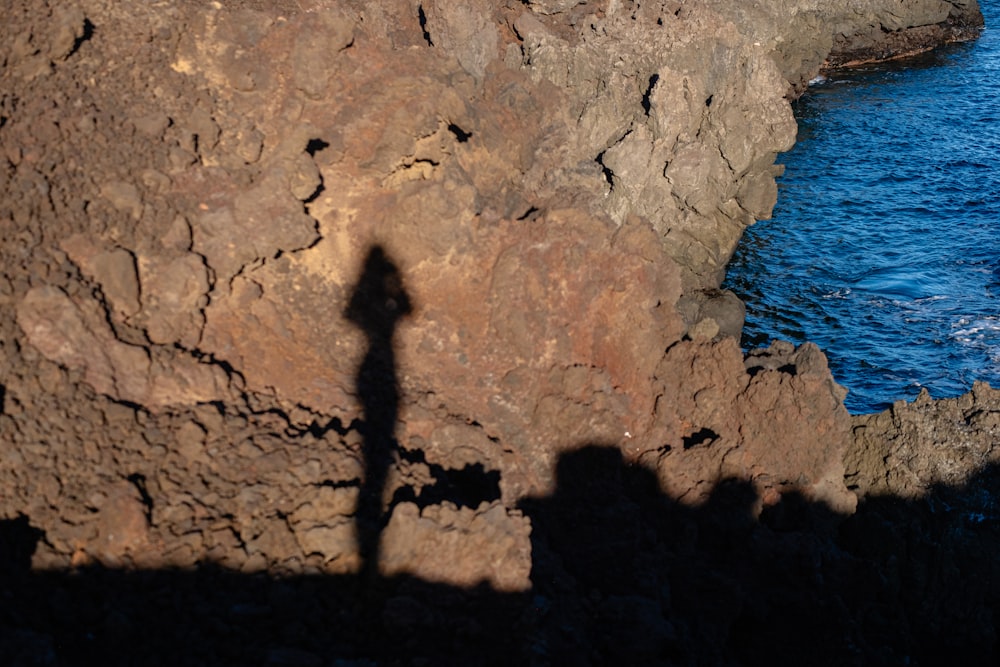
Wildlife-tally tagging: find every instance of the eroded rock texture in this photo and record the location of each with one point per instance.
(552, 204)
(911, 447)
(927, 474)
(805, 37)
(335, 288)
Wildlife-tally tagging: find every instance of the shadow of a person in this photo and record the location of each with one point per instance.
(377, 303)
(595, 543)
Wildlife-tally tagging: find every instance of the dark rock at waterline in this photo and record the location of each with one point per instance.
(886, 35)
(928, 475)
(713, 313)
(805, 39)
(909, 448)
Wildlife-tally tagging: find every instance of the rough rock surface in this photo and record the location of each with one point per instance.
(804, 38)
(912, 447)
(421, 297)
(927, 473)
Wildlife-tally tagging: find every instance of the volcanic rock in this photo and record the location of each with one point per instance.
(329, 304)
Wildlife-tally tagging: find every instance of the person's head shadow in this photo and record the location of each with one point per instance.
(379, 299)
(592, 527)
(612, 560)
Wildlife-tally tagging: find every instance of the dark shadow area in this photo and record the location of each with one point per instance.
(468, 486)
(85, 35)
(705, 436)
(460, 135)
(621, 574)
(647, 104)
(527, 214)
(378, 302)
(422, 18)
(314, 146)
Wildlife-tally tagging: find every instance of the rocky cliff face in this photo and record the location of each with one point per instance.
(334, 287)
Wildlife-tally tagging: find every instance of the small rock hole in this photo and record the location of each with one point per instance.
(139, 482)
(461, 135)
(315, 146)
(705, 436)
(527, 214)
(422, 17)
(609, 175)
(88, 32)
(646, 104)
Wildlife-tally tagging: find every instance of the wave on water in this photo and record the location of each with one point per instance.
(884, 247)
(982, 334)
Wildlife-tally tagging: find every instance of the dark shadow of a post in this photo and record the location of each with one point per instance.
(378, 302)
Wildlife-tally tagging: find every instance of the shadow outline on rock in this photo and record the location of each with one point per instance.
(621, 572)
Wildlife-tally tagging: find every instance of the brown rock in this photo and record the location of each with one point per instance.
(559, 186)
(75, 336)
(174, 291)
(911, 447)
(466, 30)
(322, 37)
(780, 423)
(114, 269)
(123, 196)
(462, 547)
(122, 526)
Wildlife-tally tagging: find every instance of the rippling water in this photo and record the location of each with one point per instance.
(884, 248)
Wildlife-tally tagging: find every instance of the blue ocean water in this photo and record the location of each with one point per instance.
(884, 248)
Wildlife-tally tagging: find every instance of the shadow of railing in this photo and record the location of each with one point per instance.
(621, 575)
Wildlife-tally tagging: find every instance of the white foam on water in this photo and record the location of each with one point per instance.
(838, 294)
(982, 333)
(969, 327)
